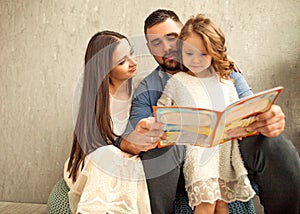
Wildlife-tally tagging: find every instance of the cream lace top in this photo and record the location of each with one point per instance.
(111, 181)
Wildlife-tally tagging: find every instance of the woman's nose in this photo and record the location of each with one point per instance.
(132, 60)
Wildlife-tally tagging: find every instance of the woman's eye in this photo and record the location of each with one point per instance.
(122, 62)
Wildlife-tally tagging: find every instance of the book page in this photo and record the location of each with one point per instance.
(236, 118)
(187, 125)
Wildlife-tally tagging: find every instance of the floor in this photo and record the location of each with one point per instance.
(28, 208)
(22, 208)
(258, 208)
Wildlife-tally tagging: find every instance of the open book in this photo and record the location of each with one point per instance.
(206, 127)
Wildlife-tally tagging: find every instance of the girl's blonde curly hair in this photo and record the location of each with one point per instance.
(213, 39)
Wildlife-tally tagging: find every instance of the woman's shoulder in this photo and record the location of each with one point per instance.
(108, 151)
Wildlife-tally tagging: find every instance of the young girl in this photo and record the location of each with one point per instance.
(213, 176)
(102, 178)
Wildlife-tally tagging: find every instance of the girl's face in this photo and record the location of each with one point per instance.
(194, 54)
(124, 64)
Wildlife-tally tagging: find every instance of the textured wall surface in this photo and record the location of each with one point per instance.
(42, 49)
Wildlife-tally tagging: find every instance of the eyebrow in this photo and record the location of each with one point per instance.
(120, 60)
(125, 56)
(171, 34)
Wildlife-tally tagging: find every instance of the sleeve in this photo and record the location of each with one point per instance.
(241, 86)
(166, 98)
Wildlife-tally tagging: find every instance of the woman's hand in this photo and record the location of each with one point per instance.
(146, 136)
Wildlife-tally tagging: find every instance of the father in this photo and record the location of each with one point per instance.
(271, 160)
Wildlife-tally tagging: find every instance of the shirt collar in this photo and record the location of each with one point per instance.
(162, 73)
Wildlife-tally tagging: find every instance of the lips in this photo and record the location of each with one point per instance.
(196, 67)
(133, 69)
(170, 56)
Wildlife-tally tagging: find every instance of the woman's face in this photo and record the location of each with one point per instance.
(124, 64)
(194, 54)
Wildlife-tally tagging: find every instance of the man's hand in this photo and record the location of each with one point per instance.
(146, 136)
(270, 123)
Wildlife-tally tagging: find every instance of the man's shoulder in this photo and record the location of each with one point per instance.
(155, 80)
(154, 83)
(154, 75)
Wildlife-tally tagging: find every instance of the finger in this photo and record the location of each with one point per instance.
(274, 112)
(273, 133)
(143, 126)
(151, 119)
(147, 124)
(154, 125)
(163, 136)
(264, 123)
(272, 130)
(151, 140)
(157, 125)
(154, 133)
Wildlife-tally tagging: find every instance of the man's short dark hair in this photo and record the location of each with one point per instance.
(159, 16)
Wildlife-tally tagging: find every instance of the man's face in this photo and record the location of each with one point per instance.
(162, 43)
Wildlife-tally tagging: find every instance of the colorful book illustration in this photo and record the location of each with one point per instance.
(206, 127)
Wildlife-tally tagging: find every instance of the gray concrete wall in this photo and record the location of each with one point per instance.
(42, 49)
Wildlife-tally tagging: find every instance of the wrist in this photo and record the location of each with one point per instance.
(128, 147)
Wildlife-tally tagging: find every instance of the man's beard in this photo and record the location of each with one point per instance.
(172, 65)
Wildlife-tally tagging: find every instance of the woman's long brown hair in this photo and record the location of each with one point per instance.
(93, 128)
(214, 41)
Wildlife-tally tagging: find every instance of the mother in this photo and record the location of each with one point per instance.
(99, 175)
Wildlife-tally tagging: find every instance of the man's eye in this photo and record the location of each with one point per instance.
(189, 53)
(171, 38)
(156, 43)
